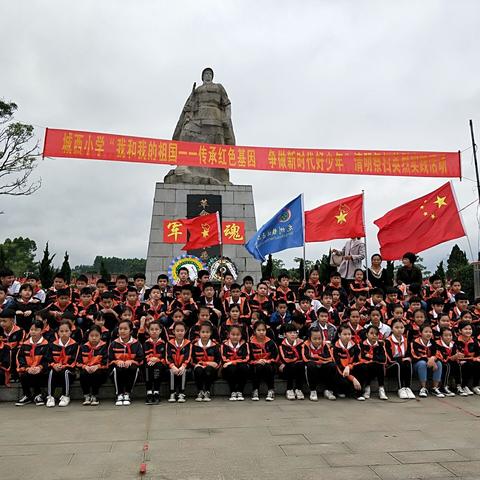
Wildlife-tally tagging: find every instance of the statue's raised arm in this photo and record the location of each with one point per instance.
(206, 118)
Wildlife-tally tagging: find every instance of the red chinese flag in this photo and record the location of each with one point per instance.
(339, 219)
(204, 231)
(420, 224)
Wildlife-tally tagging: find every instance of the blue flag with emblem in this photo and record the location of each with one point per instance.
(285, 230)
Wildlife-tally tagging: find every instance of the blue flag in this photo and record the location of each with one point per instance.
(284, 230)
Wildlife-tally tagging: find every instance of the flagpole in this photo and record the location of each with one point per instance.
(304, 250)
(365, 232)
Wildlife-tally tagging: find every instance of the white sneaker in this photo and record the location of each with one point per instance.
(64, 401)
(423, 393)
(172, 398)
(341, 395)
(436, 391)
(366, 392)
(361, 398)
(87, 400)
(240, 397)
(181, 398)
(476, 390)
(233, 397)
(402, 393)
(411, 395)
(94, 401)
(126, 400)
(314, 396)
(467, 391)
(381, 393)
(200, 396)
(119, 401)
(50, 402)
(328, 394)
(255, 396)
(207, 397)
(290, 394)
(270, 396)
(461, 391)
(448, 392)
(299, 394)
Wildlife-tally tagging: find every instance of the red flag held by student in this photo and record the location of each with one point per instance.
(420, 224)
(204, 231)
(342, 218)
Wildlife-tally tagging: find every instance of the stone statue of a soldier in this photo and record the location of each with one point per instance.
(206, 118)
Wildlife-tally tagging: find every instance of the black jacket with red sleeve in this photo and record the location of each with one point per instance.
(291, 353)
(373, 353)
(348, 356)
(266, 351)
(64, 355)
(209, 353)
(5, 357)
(14, 337)
(31, 354)
(89, 356)
(178, 355)
(155, 349)
(242, 304)
(120, 351)
(318, 355)
(397, 350)
(445, 352)
(265, 307)
(469, 347)
(235, 354)
(422, 351)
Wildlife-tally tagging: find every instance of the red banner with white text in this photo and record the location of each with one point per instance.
(104, 146)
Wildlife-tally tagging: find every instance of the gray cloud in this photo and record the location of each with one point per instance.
(345, 74)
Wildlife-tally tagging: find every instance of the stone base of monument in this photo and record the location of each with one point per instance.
(174, 201)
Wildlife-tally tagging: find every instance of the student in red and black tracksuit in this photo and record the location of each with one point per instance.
(424, 358)
(155, 367)
(213, 303)
(87, 309)
(233, 319)
(346, 354)
(5, 362)
(236, 298)
(25, 307)
(206, 360)
(263, 359)
(235, 357)
(447, 353)
(373, 359)
(92, 361)
(125, 356)
(261, 302)
(62, 305)
(320, 367)
(291, 363)
(399, 360)
(179, 356)
(63, 359)
(283, 292)
(186, 304)
(12, 336)
(33, 359)
(470, 358)
(204, 315)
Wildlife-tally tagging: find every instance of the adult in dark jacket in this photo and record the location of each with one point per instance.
(409, 273)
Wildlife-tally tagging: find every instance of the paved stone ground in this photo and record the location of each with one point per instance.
(428, 439)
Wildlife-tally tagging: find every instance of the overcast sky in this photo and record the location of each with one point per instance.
(314, 74)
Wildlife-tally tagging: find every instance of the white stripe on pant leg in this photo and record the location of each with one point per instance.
(447, 374)
(306, 377)
(184, 380)
(134, 380)
(172, 382)
(50, 378)
(67, 383)
(399, 374)
(115, 380)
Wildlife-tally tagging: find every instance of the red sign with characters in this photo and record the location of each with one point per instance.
(104, 146)
(233, 232)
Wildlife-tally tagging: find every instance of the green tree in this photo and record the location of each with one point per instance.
(18, 154)
(267, 269)
(457, 260)
(464, 274)
(19, 255)
(65, 269)
(46, 270)
(103, 271)
(324, 268)
(440, 271)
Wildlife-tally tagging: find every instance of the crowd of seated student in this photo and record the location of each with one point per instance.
(327, 337)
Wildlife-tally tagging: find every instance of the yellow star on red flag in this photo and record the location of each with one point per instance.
(341, 217)
(440, 201)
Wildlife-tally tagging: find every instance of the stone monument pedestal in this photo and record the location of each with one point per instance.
(170, 203)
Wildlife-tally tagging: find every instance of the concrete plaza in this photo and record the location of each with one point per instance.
(425, 439)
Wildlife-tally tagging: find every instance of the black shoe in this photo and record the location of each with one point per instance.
(39, 401)
(23, 401)
(156, 398)
(149, 400)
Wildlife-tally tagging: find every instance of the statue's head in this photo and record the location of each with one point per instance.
(207, 75)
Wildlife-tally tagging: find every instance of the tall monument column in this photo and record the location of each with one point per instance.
(205, 118)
